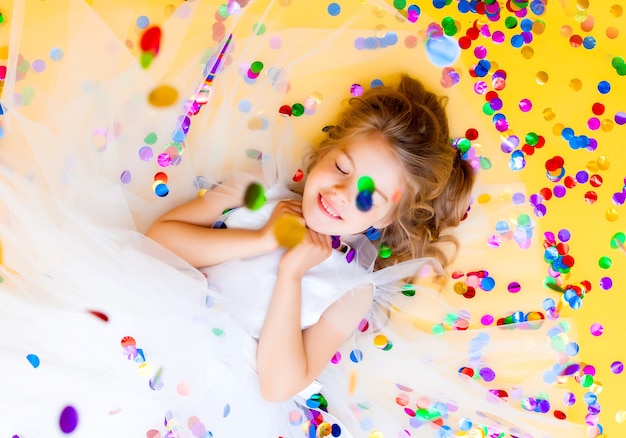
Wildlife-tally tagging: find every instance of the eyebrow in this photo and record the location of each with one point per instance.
(376, 189)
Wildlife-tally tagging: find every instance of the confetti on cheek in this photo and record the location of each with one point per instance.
(364, 201)
(68, 420)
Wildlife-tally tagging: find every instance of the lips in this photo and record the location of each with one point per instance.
(328, 208)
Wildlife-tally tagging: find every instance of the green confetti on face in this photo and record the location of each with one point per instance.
(365, 184)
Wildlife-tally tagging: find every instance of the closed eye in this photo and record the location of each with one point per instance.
(343, 172)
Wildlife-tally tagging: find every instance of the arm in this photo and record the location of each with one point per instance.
(289, 358)
(187, 229)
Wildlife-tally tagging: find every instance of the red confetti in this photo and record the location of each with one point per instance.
(161, 176)
(151, 40)
(285, 110)
(471, 134)
(546, 193)
(555, 163)
(570, 182)
(470, 293)
(490, 96)
(297, 177)
(465, 43)
(576, 41)
(128, 340)
(472, 33)
(591, 197)
(595, 180)
(100, 315)
(598, 109)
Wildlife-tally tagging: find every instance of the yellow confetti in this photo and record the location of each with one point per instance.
(352, 382)
(289, 230)
(162, 96)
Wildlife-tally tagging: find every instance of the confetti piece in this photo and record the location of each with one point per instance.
(151, 40)
(183, 389)
(100, 315)
(384, 251)
(289, 230)
(34, 360)
(442, 50)
(163, 96)
(68, 419)
(254, 197)
(364, 201)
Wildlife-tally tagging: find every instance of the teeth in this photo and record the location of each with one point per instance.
(328, 209)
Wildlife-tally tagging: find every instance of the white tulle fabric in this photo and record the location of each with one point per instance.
(73, 249)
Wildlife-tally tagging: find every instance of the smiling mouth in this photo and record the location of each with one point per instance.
(327, 208)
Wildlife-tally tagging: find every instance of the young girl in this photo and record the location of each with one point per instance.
(281, 319)
(396, 137)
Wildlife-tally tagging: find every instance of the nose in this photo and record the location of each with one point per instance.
(341, 192)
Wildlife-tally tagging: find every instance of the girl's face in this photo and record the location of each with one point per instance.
(329, 201)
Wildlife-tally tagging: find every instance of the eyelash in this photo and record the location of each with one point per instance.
(340, 169)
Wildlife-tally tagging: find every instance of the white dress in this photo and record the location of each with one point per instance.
(103, 333)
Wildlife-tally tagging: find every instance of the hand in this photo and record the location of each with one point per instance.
(287, 207)
(311, 251)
